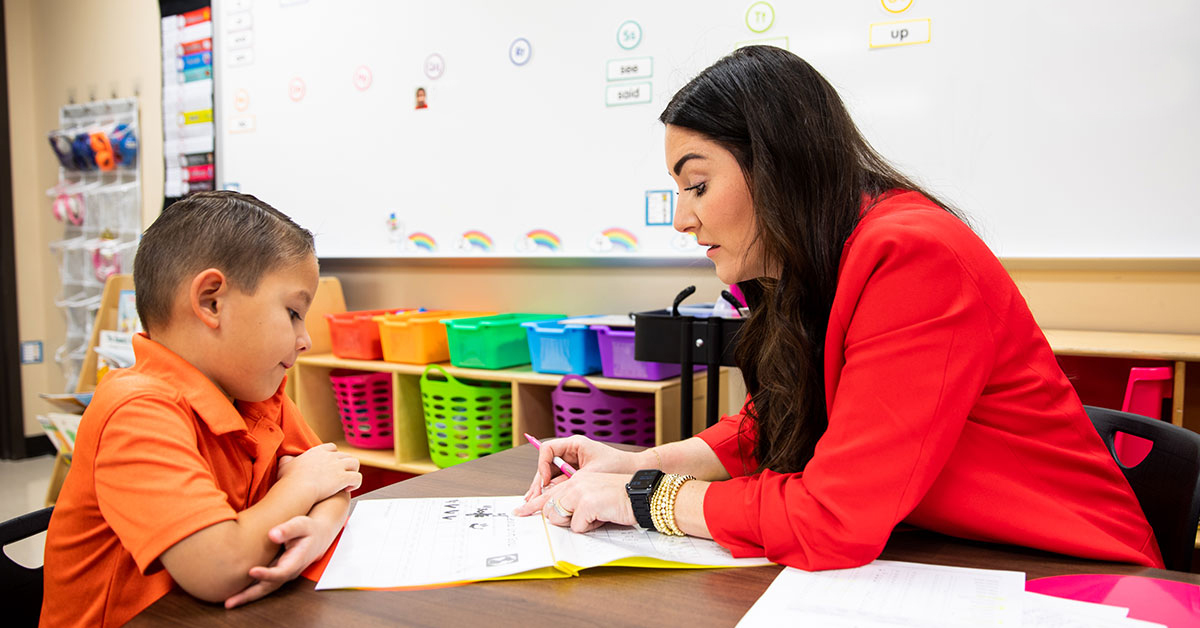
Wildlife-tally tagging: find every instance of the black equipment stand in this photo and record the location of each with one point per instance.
(666, 336)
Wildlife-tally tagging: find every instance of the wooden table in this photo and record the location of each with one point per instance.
(603, 596)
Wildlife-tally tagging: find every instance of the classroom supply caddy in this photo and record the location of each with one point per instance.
(686, 337)
(364, 401)
(355, 335)
(615, 417)
(491, 342)
(418, 337)
(558, 348)
(464, 419)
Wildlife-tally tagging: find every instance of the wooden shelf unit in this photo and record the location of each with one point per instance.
(532, 411)
(1177, 348)
(309, 386)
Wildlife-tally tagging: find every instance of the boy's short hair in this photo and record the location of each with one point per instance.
(237, 234)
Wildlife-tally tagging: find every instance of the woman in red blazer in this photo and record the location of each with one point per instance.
(895, 373)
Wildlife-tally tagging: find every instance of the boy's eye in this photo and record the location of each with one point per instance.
(699, 188)
(294, 315)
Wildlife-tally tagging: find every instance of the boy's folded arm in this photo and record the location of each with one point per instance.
(213, 563)
(306, 539)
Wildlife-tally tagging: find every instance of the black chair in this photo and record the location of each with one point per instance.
(1167, 482)
(20, 586)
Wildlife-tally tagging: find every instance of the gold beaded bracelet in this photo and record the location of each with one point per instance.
(657, 507)
(662, 503)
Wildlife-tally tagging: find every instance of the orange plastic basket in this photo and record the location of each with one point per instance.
(354, 335)
(418, 337)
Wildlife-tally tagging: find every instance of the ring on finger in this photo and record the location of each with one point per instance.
(558, 508)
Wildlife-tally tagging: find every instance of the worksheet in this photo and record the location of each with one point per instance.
(402, 543)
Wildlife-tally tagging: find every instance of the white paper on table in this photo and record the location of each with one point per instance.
(1048, 611)
(890, 593)
(413, 542)
(393, 543)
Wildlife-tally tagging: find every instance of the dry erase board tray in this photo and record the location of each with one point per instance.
(659, 337)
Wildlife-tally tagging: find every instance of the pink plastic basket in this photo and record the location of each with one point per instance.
(364, 402)
(615, 417)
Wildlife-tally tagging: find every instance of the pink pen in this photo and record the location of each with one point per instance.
(562, 464)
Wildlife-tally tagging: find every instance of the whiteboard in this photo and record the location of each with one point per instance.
(1064, 129)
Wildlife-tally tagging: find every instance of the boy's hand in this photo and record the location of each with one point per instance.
(304, 540)
(323, 469)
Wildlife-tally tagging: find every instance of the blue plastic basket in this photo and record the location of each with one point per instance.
(569, 349)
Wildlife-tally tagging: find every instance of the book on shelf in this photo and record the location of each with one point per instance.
(69, 402)
(60, 427)
(440, 541)
(127, 316)
(114, 350)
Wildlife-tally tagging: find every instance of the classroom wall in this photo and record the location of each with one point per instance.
(1160, 296)
(59, 50)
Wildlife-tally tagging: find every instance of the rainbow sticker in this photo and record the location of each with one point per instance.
(478, 240)
(622, 238)
(543, 238)
(423, 241)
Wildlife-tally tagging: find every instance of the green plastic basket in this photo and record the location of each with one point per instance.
(465, 419)
(491, 342)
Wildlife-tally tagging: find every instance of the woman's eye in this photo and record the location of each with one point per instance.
(698, 188)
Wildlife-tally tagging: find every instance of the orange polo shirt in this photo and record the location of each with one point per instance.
(161, 453)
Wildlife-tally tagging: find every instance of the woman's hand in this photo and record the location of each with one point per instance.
(584, 454)
(589, 500)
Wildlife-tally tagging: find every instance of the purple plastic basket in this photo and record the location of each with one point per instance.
(364, 401)
(615, 417)
(616, 357)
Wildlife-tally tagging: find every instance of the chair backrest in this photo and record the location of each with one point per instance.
(1166, 482)
(1146, 389)
(21, 586)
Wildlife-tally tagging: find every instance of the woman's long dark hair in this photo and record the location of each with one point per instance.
(808, 169)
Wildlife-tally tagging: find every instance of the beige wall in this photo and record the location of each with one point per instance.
(60, 50)
(1113, 295)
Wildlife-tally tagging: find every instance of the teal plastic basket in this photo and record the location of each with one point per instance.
(465, 419)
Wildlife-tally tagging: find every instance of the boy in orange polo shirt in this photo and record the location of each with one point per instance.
(192, 468)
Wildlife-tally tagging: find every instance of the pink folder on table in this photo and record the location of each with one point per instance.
(1151, 599)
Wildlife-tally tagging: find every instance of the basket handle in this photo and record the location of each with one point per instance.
(591, 388)
(449, 377)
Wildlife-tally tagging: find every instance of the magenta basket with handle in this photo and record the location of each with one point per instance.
(364, 401)
(615, 417)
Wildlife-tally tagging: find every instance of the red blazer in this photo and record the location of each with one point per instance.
(947, 410)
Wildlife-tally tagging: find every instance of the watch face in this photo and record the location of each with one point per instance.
(644, 479)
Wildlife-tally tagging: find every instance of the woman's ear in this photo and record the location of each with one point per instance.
(206, 295)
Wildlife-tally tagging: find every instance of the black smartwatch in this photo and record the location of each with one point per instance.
(640, 489)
